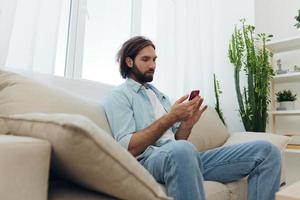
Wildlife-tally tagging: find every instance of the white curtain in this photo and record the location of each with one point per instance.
(7, 13)
(192, 39)
(184, 41)
(34, 33)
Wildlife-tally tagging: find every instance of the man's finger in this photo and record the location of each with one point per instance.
(194, 100)
(203, 109)
(182, 99)
(199, 104)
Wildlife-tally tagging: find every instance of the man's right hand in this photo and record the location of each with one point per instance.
(182, 110)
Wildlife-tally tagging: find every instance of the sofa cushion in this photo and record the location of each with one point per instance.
(239, 137)
(238, 189)
(22, 95)
(85, 154)
(62, 190)
(209, 132)
(216, 191)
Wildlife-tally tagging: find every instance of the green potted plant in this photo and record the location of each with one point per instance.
(218, 92)
(253, 63)
(286, 100)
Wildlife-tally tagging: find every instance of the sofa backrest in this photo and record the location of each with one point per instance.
(19, 94)
(209, 132)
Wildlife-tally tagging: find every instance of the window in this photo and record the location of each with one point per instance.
(107, 26)
(90, 34)
(62, 39)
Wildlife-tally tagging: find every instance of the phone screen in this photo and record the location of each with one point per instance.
(193, 94)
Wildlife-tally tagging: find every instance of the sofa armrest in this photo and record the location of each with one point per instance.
(24, 168)
(278, 140)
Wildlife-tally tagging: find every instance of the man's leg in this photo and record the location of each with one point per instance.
(258, 160)
(177, 165)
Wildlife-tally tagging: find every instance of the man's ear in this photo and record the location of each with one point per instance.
(129, 62)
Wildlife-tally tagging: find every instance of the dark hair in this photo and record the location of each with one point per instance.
(130, 49)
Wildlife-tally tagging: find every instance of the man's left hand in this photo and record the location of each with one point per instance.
(186, 126)
(191, 121)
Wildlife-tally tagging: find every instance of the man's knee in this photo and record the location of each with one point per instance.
(183, 150)
(267, 150)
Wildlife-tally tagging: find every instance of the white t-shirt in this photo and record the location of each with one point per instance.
(159, 111)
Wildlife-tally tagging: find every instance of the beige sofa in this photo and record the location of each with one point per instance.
(86, 163)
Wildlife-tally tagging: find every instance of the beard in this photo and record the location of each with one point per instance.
(140, 76)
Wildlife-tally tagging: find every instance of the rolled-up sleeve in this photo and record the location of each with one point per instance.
(120, 117)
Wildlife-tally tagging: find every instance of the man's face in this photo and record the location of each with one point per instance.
(143, 66)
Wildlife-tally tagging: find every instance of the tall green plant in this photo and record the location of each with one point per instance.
(217, 96)
(253, 98)
(297, 18)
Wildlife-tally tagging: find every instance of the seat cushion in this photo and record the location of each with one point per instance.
(216, 191)
(85, 154)
(62, 190)
(238, 189)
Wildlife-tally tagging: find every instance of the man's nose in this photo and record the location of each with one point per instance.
(152, 65)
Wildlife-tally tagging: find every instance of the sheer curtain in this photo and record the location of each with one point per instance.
(34, 35)
(192, 40)
(7, 14)
(182, 31)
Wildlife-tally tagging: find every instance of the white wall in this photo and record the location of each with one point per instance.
(226, 15)
(277, 17)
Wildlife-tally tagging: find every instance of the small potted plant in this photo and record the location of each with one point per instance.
(286, 100)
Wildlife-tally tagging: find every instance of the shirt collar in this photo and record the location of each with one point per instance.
(135, 86)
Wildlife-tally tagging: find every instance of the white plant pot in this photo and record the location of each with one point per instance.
(286, 105)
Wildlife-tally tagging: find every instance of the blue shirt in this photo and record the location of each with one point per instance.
(128, 110)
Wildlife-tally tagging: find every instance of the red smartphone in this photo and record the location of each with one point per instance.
(193, 94)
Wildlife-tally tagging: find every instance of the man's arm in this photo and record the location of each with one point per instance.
(140, 140)
(180, 111)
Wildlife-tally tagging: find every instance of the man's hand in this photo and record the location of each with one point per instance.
(186, 126)
(183, 110)
(190, 122)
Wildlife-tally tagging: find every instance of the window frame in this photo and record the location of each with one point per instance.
(76, 34)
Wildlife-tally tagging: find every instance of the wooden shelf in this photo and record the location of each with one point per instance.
(285, 112)
(288, 77)
(292, 150)
(284, 45)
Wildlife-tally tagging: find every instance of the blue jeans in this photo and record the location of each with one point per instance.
(182, 168)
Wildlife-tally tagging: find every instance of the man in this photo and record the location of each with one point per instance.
(143, 121)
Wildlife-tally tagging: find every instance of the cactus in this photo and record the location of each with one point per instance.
(253, 99)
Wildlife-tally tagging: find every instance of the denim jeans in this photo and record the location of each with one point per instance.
(182, 168)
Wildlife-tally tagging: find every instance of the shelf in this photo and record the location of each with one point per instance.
(284, 45)
(292, 150)
(285, 112)
(288, 77)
